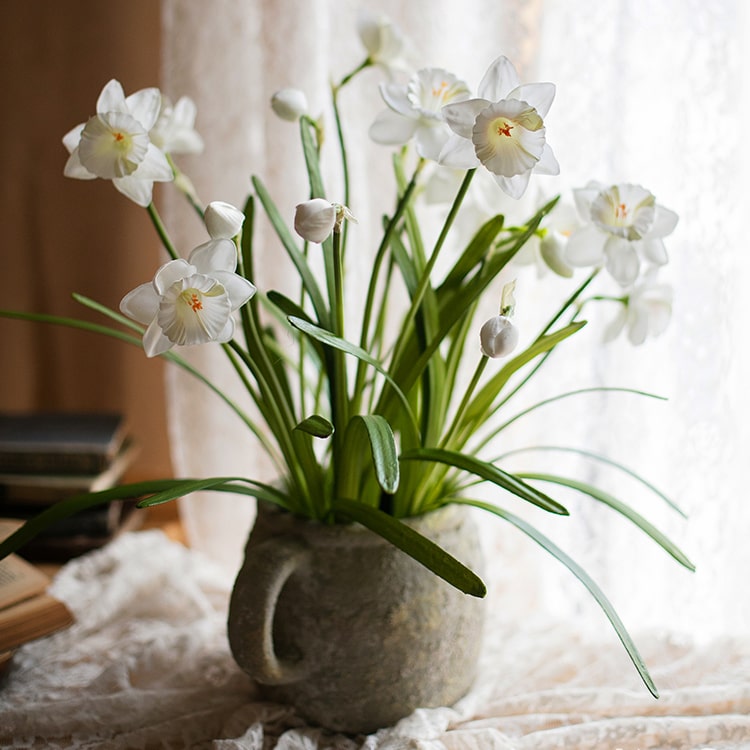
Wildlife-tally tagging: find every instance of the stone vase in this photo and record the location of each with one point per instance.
(350, 630)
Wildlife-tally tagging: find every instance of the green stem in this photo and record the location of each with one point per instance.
(445, 443)
(161, 231)
(338, 383)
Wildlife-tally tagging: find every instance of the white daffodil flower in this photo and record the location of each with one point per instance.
(503, 129)
(289, 104)
(174, 131)
(190, 301)
(315, 219)
(415, 111)
(384, 41)
(645, 312)
(115, 145)
(223, 220)
(624, 224)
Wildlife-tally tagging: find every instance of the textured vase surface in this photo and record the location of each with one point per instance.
(348, 629)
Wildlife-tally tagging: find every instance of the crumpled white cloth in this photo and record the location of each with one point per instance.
(147, 665)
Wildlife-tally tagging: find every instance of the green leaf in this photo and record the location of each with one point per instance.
(316, 426)
(604, 460)
(329, 339)
(418, 547)
(382, 449)
(475, 251)
(487, 471)
(604, 497)
(582, 576)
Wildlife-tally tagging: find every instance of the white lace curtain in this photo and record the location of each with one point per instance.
(647, 92)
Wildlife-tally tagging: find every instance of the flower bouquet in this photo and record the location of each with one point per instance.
(375, 425)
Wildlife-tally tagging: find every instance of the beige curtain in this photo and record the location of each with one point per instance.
(62, 236)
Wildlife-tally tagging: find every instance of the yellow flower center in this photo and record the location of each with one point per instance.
(504, 128)
(192, 299)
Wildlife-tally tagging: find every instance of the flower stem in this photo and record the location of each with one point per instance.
(445, 443)
(161, 231)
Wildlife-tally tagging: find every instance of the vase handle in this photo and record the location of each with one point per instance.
(252, 607)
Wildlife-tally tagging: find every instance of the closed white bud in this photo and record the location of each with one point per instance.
(223, 220)
(289, 104)
(315, 219)
(498, 337)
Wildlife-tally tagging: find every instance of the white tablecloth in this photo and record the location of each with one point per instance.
(147, 665)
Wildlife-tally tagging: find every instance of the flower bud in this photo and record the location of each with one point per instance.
(314, 219)
(289, 104)
(498, 337)
(552, 250)
(223, 220)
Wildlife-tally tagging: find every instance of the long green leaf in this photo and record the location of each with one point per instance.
(418, 547)
(329, 339)
(475, 251)
(582, 576)
(604, 497)
(316, 426)
(604, 460)
(482, 402)
(383, 451)
(487, 471)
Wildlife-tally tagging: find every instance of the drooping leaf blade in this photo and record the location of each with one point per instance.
(583, 577)
(316, 426)
(419, 547)
(489, 472)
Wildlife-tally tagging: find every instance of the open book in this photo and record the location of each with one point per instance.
(27, 611)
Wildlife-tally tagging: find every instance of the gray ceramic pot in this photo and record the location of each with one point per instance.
(348, 629)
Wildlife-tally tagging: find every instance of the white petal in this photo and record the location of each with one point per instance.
(621, 260)
(396, 97)
(547, 163)
(238, 288)
(112, 98)
(429, 140)
(391, 129)
(539, 95)
(585, 247)
(214, 255)
(552, 250)
(637, 325)
(141, 304)
(154, 166)
(145, 106)
(73, 137)
(461, 116)
(289, 104)
(615, 326)
(74, 168)
(654, 251)
(458, 153)
(172, 271)
(139, 191)
(499, 80)
(154, 340)
(583, 198)
(227, 332)
(514, 186)
(194, 311)
(665, 221)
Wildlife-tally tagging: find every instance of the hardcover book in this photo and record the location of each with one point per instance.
(59, 443)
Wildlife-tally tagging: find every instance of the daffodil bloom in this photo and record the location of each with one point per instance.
(315, 219)
(223, 220)
(415, 111)
(289, 104)
(174, 131)
(115, 145)
(503, 129)
(384, 41)
(190, 301)
(645, 312)
(624, 225)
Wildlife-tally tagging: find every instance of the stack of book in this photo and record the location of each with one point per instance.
(47, 457)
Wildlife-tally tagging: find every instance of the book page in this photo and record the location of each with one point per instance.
(19, 579)
(31, 619)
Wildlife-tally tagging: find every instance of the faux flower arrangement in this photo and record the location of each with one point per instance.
(364, 426)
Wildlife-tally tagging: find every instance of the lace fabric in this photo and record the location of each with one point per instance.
(147, 665)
